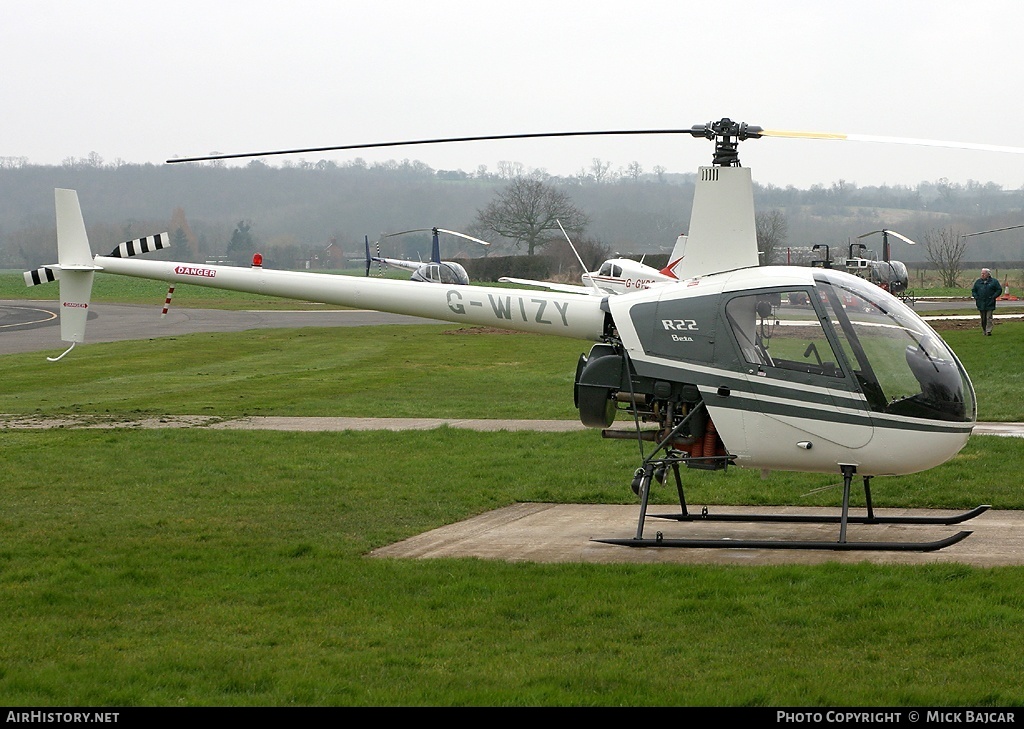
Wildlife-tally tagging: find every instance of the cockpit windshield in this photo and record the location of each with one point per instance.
(902, 365)
(446, 272)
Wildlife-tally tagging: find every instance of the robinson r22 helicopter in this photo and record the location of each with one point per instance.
(722, 364)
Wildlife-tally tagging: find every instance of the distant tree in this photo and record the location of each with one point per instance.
(242, 245)
(510, 170)
(593, 252)
(599, 169)
(660, 171)
(945, 248)
(772, 228)
(529, 211)
(634, 170)
(187, 244)
(179, 242)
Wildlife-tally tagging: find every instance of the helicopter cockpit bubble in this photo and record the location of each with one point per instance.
(446, 272)
(903, 366)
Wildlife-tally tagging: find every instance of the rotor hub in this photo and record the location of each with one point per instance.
(727, 135)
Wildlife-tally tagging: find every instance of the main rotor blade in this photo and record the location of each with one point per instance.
(403, 232)
(705, 130)
(889, 232)
(439, 230)
(902, 237)
(463, 235)
(444, 140)
(890, 140)
(994, 230)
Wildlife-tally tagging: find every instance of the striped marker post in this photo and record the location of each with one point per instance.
(167, 302)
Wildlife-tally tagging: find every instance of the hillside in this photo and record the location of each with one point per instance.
(304, 208)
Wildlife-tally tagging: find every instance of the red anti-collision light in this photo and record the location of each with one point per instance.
(257, 260)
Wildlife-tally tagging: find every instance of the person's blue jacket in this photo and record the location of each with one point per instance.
(985, 292)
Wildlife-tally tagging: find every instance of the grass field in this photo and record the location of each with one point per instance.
(227, 568)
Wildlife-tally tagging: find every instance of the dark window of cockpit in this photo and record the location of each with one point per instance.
(782, 330)
(448, 275)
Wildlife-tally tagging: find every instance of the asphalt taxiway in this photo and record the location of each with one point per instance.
(33, 326)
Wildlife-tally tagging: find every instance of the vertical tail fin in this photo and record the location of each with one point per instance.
(676, 258)
(76, 266)
(723, 233)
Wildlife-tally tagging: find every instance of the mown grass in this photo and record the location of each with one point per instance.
(393, 371)
(165, 568)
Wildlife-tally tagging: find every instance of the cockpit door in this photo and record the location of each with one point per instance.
(792, 369)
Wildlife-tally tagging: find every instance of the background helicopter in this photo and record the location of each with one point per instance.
(889, 274)
(433, 271)
(722, 366)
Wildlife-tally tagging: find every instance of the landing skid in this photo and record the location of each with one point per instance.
(657, 468)
(705, 515)
(790, 544)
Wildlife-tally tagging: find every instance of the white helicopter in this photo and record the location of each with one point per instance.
(724, 365)
(433, 271)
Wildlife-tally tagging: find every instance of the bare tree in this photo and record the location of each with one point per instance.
(528, 211)
(945, 248)
(592, 252)
(634, 170)
(510, 170)
(772, 228)
(599, 169)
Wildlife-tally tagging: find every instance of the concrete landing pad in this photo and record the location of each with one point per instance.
(564, 533)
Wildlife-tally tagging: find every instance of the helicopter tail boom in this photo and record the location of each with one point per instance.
(542, 312)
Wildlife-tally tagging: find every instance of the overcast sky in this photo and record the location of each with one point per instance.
(145, 81)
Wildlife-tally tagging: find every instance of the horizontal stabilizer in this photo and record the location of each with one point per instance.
(43, 275)
(147, 244)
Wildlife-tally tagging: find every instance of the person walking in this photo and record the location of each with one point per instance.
(985, 292)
